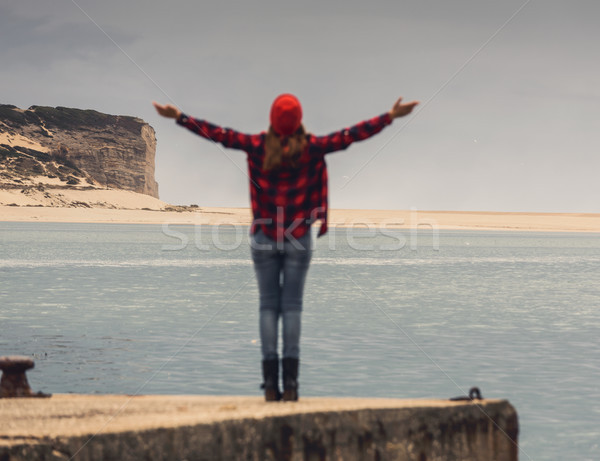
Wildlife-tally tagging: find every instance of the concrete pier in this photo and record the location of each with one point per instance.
(199, 428)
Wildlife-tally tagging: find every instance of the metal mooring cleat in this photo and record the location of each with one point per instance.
(14, 382)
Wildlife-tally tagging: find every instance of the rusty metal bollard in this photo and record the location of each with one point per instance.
(14, 382)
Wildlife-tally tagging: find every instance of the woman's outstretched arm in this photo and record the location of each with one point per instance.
(226, 136)
(340, 140)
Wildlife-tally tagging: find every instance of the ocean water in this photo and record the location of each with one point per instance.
(173, 310)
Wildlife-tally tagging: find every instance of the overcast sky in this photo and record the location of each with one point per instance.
(510, 91)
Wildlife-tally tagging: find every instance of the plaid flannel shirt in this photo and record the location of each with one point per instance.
(287, 200)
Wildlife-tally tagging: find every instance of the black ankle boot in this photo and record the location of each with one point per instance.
(290, 379)
(270, 369)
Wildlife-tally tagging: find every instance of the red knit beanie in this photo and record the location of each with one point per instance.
(286, 114)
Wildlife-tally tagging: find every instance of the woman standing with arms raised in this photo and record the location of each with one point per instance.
(288, 192)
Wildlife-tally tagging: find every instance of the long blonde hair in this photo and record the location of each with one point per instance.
(278, 147)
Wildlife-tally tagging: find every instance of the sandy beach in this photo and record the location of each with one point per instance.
(41, 199)
(409, 219)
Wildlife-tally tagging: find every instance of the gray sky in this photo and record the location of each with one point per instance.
(510, 111)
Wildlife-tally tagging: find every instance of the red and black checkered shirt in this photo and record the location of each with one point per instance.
(287, 200)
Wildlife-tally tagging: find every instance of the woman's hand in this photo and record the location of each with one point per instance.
(400, 110)
(168, 110)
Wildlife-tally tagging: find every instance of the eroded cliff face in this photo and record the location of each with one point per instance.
(111, 151)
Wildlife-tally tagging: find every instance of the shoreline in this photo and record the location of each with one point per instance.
(338, 218)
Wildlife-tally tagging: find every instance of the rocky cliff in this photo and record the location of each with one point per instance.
(77, 147)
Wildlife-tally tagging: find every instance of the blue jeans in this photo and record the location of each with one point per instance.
(280, 273)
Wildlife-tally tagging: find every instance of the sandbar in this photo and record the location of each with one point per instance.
(393, 219)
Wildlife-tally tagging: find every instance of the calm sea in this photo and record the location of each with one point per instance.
(173, 310)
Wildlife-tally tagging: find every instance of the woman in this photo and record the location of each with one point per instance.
(288, 192)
